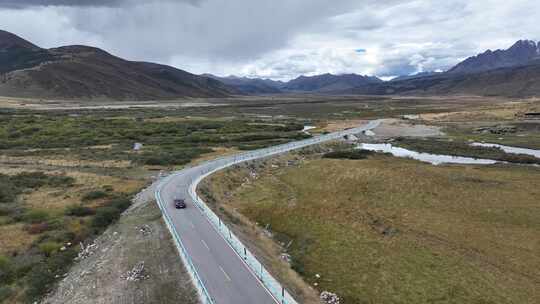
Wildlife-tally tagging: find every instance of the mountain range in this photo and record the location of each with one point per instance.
(246, 85)
(324, 83)
(83, 72)
(522, 52)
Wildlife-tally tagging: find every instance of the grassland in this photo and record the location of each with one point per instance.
(44, 219)
(388, 230)
(86, 167)
(67, 175)
(100, 277)
(496, 123)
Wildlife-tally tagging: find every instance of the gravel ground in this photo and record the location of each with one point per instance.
(395, 127)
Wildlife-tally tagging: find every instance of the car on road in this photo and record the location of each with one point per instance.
(179, 203)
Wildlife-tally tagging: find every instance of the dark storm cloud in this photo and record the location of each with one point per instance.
(20, 4)
(26, 3)
(279, 38)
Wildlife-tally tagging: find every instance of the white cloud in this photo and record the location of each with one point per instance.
(284, 38)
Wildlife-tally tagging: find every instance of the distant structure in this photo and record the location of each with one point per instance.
(137, 146)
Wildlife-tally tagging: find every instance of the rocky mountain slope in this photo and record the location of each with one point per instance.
(84, 72)
(514, 72)
(520, 81)
(521, 53)
(324, 83)
(250, 86)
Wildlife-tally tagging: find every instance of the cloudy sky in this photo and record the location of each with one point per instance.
(280, 39)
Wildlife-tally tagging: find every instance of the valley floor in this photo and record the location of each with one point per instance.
(388, 230)
(381, 229)
(63, 165)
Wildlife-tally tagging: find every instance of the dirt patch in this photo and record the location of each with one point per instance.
(112, 272)
(333, 126)
(395, 127)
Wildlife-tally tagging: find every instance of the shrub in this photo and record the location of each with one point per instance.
(348, 154)
(39, 280)
(35, 180)
(298, 266)
(35, 216)
(11, 186)
(121, 203)
(6, 270)
(5, 293)
(37, 228)
(8, 191)
(94, 195)
(105, 216)
(78, 210)
(48, 248)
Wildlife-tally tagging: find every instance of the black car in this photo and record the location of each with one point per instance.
(179, 203)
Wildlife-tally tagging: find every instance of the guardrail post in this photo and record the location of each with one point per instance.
(282, 295)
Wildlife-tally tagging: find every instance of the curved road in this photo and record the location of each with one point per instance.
(227, 278)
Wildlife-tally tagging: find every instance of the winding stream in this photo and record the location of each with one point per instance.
(434, 159)
(509, 149)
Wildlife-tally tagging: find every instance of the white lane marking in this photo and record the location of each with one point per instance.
(205, 245)
(226, 275)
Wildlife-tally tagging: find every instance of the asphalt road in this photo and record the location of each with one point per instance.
(224, 273)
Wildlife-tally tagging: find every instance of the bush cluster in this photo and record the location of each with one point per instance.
(11, 186)
(348, 154)
(110, 213)
(94, 195)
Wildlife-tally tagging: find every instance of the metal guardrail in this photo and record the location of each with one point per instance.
(280, 294)
(204, 295)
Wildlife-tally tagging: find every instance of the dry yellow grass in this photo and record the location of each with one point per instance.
(504, 111)
(13, 238)
(63, 161)
(218, 152)
(387, 230)
(53, 198)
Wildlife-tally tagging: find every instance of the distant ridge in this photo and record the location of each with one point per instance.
(84, 72)
(521, 53)
(250, 86)
(329, 82)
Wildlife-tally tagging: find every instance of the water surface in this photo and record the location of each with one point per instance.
(435, 159)
(509, 149)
